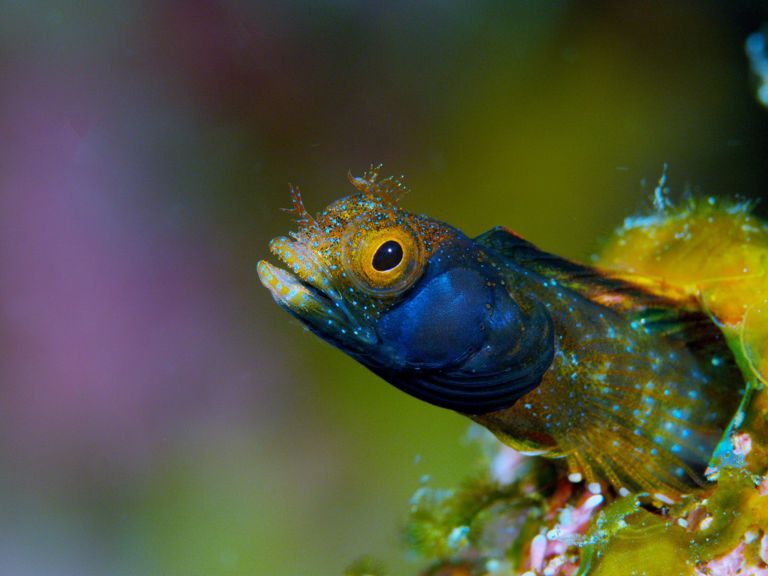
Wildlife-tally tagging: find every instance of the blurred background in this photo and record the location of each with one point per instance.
(158, 413)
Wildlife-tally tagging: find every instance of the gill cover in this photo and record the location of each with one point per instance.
(459, 340)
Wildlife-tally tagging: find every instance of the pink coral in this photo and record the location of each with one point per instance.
(549, 554)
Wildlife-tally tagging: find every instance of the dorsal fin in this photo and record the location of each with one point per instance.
(661, 308)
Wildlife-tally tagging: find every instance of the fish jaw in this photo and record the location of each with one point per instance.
(290, 292)
(306, 291)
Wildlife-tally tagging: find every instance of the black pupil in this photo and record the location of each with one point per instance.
(388, 256)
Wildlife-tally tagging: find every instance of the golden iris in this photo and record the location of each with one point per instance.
(383, 262)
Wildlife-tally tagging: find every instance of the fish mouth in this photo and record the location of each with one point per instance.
(306, 291)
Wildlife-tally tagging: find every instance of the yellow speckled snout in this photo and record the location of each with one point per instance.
(305, 286)
(285, 288)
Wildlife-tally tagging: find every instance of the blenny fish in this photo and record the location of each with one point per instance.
(626, 378)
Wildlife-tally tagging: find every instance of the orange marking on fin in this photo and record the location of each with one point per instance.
(512, 232)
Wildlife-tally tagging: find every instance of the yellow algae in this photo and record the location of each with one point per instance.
(715, 251)
(646, 547)
(718, 253)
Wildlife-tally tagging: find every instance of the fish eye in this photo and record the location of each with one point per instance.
(388, 256)
(383, 262)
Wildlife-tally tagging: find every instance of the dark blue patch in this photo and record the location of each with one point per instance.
(442, 323)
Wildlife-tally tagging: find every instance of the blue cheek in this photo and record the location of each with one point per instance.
(441, 322)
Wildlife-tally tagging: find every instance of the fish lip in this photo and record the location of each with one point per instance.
(304, 289)
(304, 265)
(288, 287)
(291, 292)
(312, 290)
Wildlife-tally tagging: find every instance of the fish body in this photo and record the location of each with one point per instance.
(641, 386)
(624, 377)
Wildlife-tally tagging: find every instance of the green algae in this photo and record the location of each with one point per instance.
(443, 523)
(633, 535)
(626, 535)
(643, 544)
(366, 566)
(735, 507)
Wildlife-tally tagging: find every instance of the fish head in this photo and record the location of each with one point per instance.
(412, 298)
